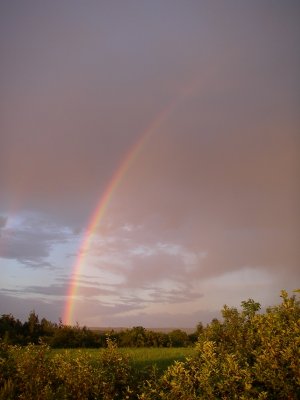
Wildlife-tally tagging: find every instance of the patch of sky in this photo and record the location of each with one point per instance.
(144, 251)
(12, 271)
(63, 255)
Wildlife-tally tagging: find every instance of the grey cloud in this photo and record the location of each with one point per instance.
(84, 163)
(61, 290)
(24, 245)
(35, 262)
(99, 313)
(105, 315)
(3, 221)
(31, 241)
(207, 251)
(52, 290)
(219, 173)
(159, 295)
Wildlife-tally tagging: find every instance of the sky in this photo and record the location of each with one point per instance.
(180, 118)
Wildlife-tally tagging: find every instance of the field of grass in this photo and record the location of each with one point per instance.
(142, 357)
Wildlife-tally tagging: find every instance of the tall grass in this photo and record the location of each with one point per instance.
(140, 358)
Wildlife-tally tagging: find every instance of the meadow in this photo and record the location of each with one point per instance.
(139, 358)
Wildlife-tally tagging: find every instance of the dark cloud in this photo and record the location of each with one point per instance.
(3, 221)
(55, 290)
(31, 241)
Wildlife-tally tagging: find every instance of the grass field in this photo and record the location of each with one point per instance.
(141, 357)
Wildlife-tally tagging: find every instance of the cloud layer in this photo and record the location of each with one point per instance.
(206, 214)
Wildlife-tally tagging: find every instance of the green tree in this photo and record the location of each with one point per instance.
(11, 329)
(178, 338)
(32, 328)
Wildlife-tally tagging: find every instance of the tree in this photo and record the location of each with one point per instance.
(178, 338)
(32, 328)
(11, 329)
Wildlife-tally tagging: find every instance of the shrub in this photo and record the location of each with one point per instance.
(28, 369)
(247, 356)
(72, 377)
(32, 373)
(115, 373)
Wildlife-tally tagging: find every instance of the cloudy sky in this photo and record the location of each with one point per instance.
(207, 212)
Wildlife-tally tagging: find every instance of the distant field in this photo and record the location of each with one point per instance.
(141, 357)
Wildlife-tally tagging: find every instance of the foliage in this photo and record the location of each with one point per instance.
(72, 377)
(12, 331)
(247, 356)
(141, 337)
(25, 372)
(178, 338)
(115, 373)
(141, 359)
(31, 373)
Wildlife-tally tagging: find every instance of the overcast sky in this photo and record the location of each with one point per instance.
(207, 213)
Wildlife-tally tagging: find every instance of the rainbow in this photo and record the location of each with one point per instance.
(101, 208)
(114, 182)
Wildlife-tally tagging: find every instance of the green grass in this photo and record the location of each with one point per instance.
(161, 357)
(142, 357)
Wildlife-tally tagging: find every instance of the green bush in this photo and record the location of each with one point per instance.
(7, 370)
(247, 356)
(72, 378)
(115, 373)
(31, 372)
(25, 373)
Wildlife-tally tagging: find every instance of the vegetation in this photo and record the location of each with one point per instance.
(247, 355)
(12, 331)
(140, 358)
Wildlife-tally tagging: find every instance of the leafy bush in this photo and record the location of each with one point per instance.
(72, 378)
(7, 370)
(115, 373)
(25, 373)
(247, 356)
(32, 373)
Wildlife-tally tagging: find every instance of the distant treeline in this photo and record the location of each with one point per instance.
(13, 331)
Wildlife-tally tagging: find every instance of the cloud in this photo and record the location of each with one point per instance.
(59, 290)
(30, 239)
(154, 295)
(213, 190)
(99, 314)
(3, 221)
